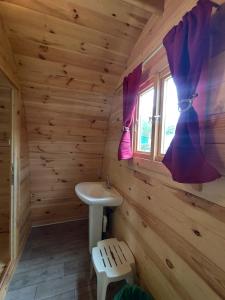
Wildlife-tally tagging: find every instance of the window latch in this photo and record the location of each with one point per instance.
(157, 117)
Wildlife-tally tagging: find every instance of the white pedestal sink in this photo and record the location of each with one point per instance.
(97, 195)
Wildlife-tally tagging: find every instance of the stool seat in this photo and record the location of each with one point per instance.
(113, 261)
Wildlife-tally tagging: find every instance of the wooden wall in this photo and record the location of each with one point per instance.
(176, 231)
(21, 186)
(5, 136)
(66, 133)
(24, 202)
(5, 186)
(70, 55)
(8, 67)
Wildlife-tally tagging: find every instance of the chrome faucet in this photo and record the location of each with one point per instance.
(108, 183)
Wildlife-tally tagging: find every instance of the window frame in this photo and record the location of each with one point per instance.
(144, 86)
(162, 77)
(157, 82)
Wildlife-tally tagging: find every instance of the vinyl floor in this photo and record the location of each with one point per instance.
(55, 265)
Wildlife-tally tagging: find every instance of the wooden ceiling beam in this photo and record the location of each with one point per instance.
(152, 6)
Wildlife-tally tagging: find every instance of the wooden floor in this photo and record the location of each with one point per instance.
(55, 265)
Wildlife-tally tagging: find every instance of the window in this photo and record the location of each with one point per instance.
(144, 116)
(170, 113)
(156, 117)
(144, 120)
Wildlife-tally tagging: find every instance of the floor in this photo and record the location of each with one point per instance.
(55, 265)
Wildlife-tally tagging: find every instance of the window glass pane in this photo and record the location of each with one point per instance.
(145, 112)
(170, 113)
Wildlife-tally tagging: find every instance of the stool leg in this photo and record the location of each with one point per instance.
(102, 284)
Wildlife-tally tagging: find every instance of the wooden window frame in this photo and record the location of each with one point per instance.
(162, 77)
(157, 82)
(146, 85)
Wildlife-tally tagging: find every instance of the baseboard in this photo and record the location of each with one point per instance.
(58, 222)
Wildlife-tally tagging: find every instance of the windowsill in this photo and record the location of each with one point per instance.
(143, 155)
(149, 164)
(156, 166)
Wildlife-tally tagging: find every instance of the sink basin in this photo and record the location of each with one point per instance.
(97, 193)
(97, 196)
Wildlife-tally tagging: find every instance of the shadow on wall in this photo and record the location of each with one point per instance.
(218, 31)
(215, 104)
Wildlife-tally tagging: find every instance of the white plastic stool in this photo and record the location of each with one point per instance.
(113, 261)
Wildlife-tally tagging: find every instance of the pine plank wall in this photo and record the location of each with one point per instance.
(8, 66)
(69, 57)
(22, 192)
(65, 149)
(176, 232)
(5, 119)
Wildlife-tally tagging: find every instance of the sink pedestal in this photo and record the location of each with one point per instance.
(97, 195)
(95, 225)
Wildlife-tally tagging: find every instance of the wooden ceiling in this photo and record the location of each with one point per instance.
(76, 44)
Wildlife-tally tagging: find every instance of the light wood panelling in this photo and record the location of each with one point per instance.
(215, 138)
(5, 159)
(5, 186)
(23, 208)
(85, 34)
(70, 55)
(21, 212)
(7, 62)
(53, 54)
(111, 17)
(66, 144)
(176, 218)
(39, 71)
(156, 6)
(177, 233)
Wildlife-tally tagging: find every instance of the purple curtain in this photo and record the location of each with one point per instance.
(187, 46)
(130, 91)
